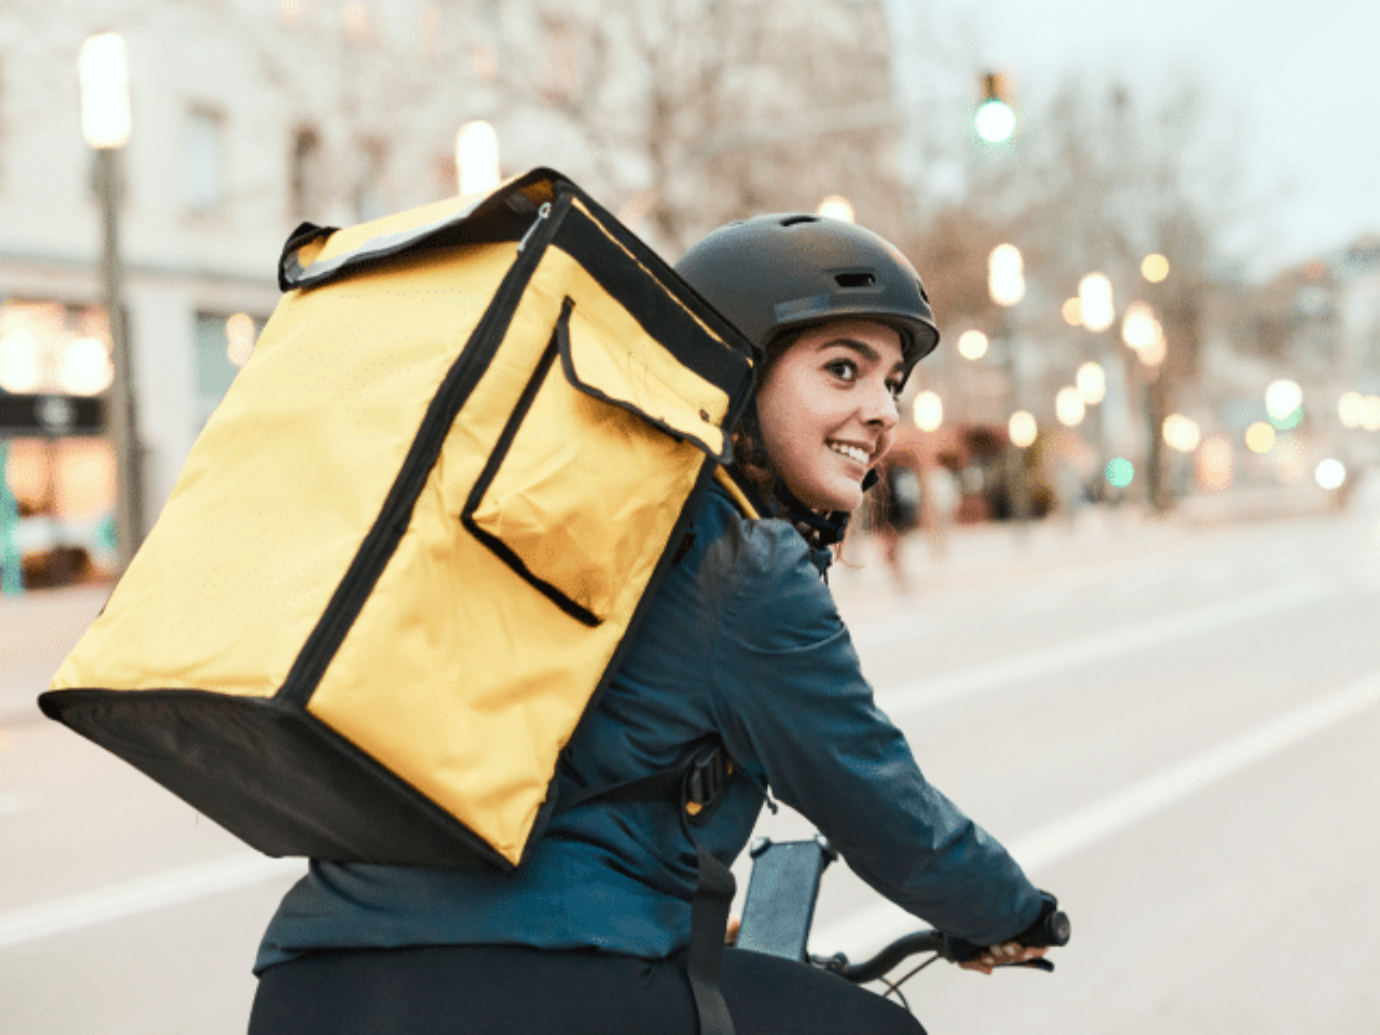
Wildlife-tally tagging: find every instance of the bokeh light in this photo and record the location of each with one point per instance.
(1069, 407)
(476, 158)
(995, 121)
(239, 338)
(1095, 298)
(1092, 383)
(1260, 437)
(1072, 312)
(1349, 409)
(1140, 328)
(1330, 474)
(1181, 433)
(928, 411)
(1370, 413)
(21, 361)
(1023, 428)
(1154, 268)
(1282, 398)
(836, 206)
(1006, 275)
(86, 367)
(1120, 472)
(972, 344)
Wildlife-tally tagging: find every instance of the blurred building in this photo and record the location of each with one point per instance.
(250, 116)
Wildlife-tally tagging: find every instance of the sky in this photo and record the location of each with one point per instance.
(1302, 79)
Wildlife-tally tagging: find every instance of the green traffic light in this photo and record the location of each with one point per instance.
(995, 121)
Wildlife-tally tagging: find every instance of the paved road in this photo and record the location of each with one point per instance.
(1173, 726)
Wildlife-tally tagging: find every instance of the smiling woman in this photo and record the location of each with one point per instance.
(741, 654)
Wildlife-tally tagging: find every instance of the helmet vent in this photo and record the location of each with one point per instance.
(794, 220)
(861, 279)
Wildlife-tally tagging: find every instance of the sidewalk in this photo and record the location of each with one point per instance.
(37, 629)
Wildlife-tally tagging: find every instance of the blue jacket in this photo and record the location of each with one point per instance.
(742, 642)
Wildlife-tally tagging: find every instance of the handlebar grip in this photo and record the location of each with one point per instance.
(1054, 930)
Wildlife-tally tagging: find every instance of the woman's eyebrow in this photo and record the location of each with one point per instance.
(861, 347)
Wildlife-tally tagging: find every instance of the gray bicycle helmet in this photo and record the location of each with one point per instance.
(777, 274)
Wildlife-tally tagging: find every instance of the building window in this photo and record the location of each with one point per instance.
(202, 188)
(304, 178)
(224, 343)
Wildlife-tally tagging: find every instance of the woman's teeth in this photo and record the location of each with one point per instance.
(852, 452)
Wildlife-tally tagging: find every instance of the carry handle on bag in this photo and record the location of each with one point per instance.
(406, 552)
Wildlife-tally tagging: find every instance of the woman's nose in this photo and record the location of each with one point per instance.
(882, 408)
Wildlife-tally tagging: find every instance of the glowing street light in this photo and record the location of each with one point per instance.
(1330, 474)
(928, 411)
(476, 158)
(1282, 399)
(1095, 302)
(1091, 381)
(1140, 328)
(103, 73)
(972, 345)
(995, 119)
(1154, 268)
(836, 206)
(1006, 275)
(1069, 407)
(1181, 433)
(1023, 429)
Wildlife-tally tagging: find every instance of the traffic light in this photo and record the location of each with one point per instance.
(995, 119)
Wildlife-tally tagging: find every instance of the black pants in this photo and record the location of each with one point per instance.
(486, 989)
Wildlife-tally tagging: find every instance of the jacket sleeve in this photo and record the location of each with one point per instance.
(792, 705)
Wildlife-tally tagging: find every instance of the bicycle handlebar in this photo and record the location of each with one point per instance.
(1054, 931)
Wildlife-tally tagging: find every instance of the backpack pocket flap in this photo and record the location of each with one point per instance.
(589, 477)
(637, 374)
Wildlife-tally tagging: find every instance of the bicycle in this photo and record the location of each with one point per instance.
(779, 910)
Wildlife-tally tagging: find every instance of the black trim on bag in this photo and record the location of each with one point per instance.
(671, 280)
(506, 214)
(653, 306)
(396, 513)
(273, 775)
(495, 463)
(568, 367)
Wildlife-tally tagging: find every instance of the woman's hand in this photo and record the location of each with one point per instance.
(1002, 956)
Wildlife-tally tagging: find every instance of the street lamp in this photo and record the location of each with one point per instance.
(836, 206)
(1006, 285)
(103, 71)
(476, 158)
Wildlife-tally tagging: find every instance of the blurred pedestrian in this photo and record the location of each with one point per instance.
(898, 513)
(942, 497)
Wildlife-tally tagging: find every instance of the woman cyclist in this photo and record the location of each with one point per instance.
(742, 647)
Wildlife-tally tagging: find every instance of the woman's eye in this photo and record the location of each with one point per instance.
(895, 388)
(843, 369)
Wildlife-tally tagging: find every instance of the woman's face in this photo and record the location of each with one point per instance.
(827, 410)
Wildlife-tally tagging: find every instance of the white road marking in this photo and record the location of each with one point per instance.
(971, 682)
(170, 888)
(1084, 827)
(1115, 812)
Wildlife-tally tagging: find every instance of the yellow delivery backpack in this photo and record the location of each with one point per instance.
(407, 549)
